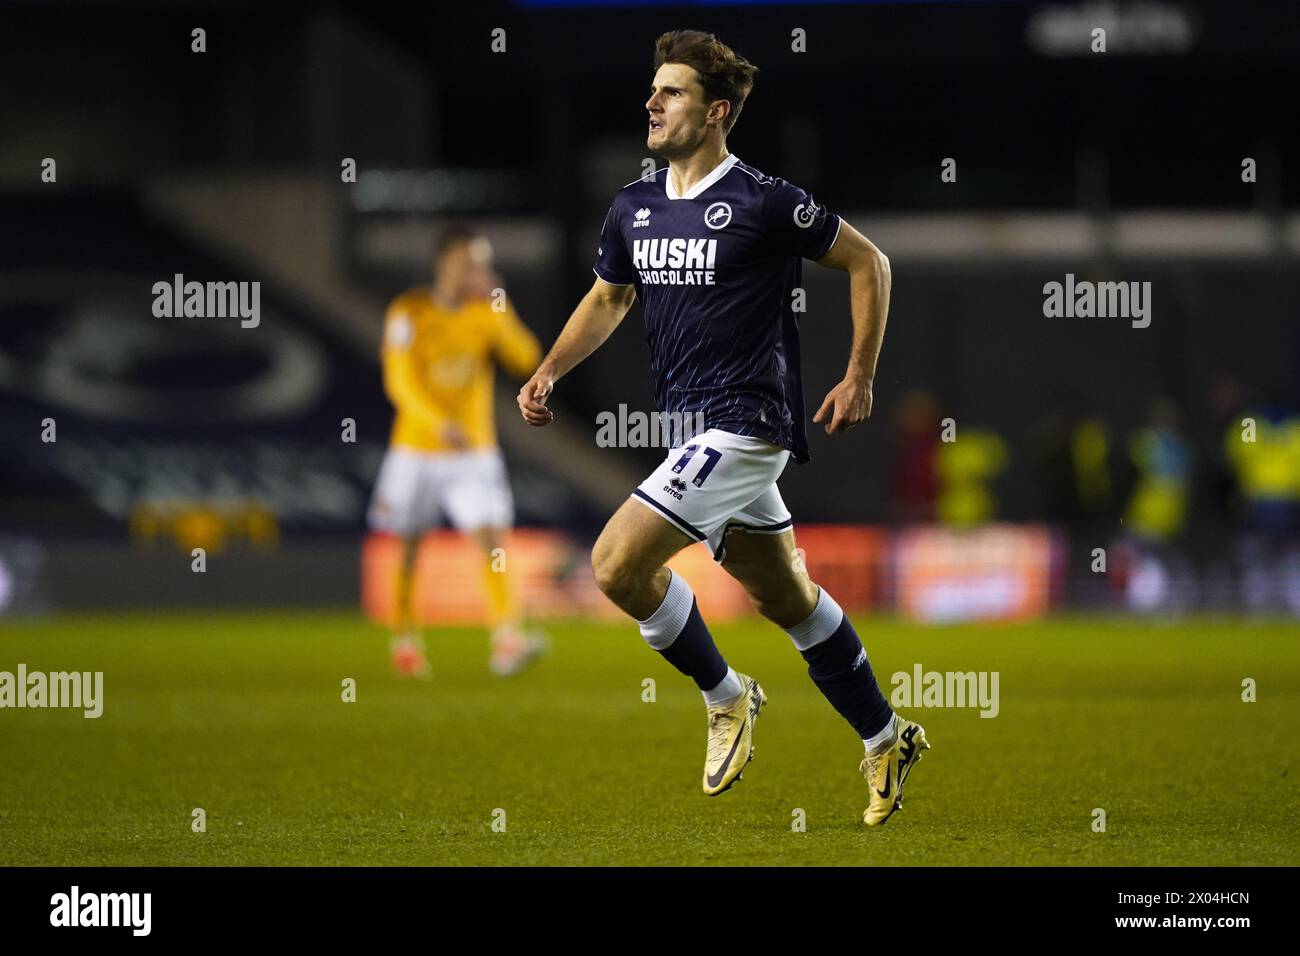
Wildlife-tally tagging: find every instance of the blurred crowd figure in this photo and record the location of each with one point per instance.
(1263, 449)
(1071, 452)
(1187, 510)
(1159, 574)
(914, 481)
(937, 477)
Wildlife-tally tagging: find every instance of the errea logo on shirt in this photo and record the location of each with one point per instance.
(641, 218)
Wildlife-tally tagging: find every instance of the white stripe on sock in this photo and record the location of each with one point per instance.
(665, 625)
(819, 625)
(884, 738)
(728, 689)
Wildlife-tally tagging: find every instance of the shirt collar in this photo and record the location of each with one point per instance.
(717, 173)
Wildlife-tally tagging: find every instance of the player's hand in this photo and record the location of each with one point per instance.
(845, 405)
(532, 400)
(455, 436)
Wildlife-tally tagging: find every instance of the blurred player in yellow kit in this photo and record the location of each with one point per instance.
(441, 343)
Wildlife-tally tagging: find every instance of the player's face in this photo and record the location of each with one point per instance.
(481, 278)
(466, 268)
(678, 112)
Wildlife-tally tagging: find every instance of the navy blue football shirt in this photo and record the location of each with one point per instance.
(715, 271)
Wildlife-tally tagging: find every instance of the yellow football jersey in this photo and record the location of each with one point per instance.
(438, 369)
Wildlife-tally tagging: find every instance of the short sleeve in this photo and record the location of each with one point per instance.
(399, 328)
(797, 224)
(612, 262)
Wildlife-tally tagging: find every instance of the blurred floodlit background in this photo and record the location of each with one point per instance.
(1015, 464)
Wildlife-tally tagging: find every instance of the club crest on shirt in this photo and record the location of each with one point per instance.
(717, 215)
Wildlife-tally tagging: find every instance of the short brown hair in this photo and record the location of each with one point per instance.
(724, 75)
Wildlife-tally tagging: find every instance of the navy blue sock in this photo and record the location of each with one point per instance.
(839, 668)
(694, 653)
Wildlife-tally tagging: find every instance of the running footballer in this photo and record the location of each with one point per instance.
(713, 249)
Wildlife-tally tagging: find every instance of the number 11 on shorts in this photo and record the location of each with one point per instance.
(712, 454)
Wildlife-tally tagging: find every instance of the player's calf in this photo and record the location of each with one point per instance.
(838, 665)
(678, 632)
(837, 661)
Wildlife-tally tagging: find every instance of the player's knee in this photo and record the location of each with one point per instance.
(784, 597)
(784, 610)
(489, 539)
(788, 610)
(615, 571)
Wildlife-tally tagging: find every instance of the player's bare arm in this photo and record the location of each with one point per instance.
(592, 322)
(849, 402)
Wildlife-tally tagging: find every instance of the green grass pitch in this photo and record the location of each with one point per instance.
(241, 714)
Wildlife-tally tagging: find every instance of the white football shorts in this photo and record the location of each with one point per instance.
(718, 481)
(417, 489)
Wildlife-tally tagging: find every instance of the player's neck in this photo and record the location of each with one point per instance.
(444, 300)
(689, 170)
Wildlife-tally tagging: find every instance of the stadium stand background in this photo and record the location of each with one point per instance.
(1122, 166)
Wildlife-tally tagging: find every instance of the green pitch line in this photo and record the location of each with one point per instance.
(240, 714)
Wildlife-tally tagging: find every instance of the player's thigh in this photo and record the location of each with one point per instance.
(404, 501)
(475, 494)
(489, 538)
(635, 541)
(765, 564)
(772, 572)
